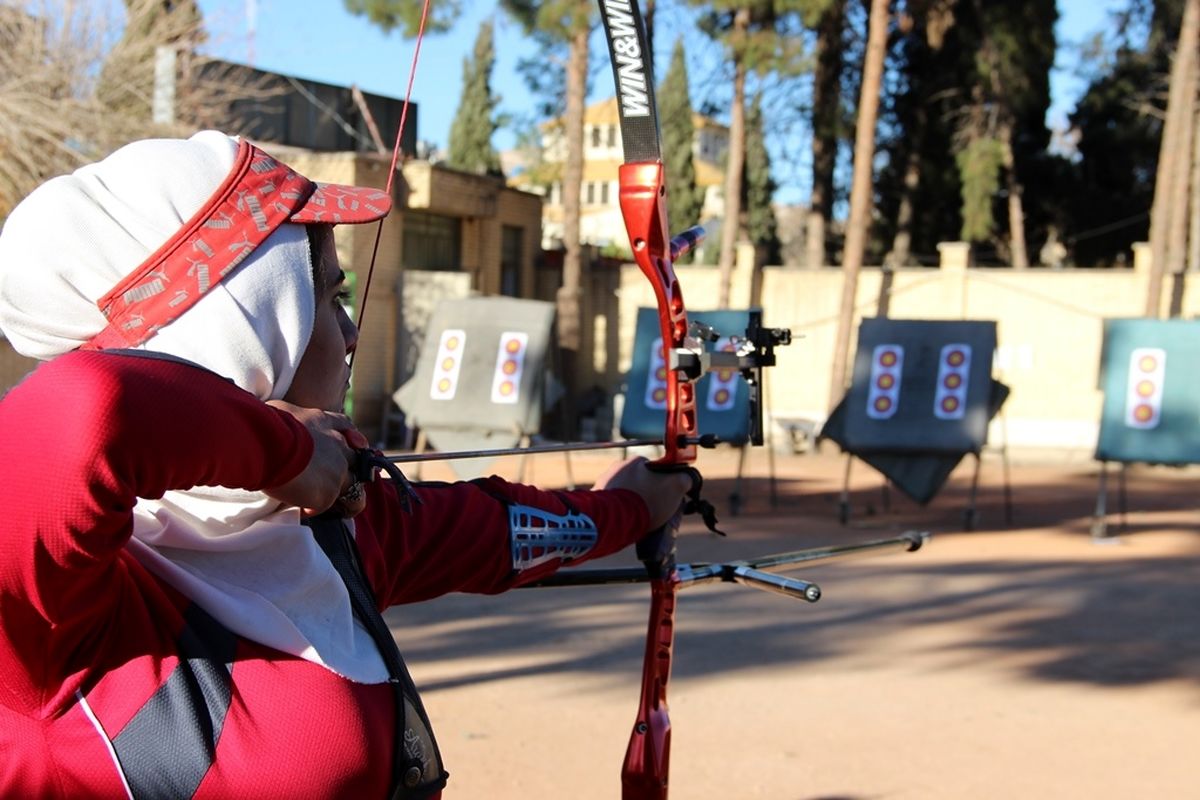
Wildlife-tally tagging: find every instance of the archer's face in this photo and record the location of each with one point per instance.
(323, 375)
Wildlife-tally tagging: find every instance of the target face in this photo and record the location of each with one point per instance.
(722, 383)
(448, 364)
(656, 378)
(883, 396)
(510, 366)
(954, 370)
(1144, 393)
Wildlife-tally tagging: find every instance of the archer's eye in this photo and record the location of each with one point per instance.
(342, 297)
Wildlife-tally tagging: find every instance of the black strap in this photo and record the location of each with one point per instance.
(417, 765)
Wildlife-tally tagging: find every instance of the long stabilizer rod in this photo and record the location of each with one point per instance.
(751, 572)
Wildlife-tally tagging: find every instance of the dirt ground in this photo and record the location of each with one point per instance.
(1027, 660)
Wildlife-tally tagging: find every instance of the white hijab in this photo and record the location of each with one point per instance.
(243, 557)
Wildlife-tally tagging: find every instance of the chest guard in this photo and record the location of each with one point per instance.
(417, 770)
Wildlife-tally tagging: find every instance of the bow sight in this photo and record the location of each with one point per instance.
(751, 353)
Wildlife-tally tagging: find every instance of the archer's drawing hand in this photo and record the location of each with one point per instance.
(662, 492)
(328, 478)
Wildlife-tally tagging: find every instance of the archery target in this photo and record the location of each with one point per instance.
(920, 386)
(1150, 374)
(481, 377)
(510, 365)
(722, 395)
(448, 364)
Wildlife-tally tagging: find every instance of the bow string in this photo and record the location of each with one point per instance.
(391, 176)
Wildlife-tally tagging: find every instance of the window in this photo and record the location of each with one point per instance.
(595, 136)
(589, 193)
(432, 241)
(511, 240)
(604, 193)
(612, 136)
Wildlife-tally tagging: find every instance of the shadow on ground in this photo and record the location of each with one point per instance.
(1129, 619)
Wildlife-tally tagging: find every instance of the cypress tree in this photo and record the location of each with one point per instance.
(684, 198)
(471, 132)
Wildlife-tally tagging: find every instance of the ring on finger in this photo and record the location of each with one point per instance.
(352, 494)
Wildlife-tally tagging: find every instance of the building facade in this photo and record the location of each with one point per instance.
(600, 213)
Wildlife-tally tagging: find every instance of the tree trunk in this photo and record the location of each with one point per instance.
(1193, 264)
(731, 225)
(860, 191)
(1016, 212)
(901, 253)
(1177, 235)
(1168, 153)
(569, 322)
(826, 111)
(1180, 181)
(814, 239)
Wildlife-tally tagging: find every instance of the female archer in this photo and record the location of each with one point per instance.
(191, 571)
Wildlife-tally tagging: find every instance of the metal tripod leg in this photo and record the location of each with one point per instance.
(1100, 517)
(1121, 496)
(844, 503)
(971, 515)
(422, 442)
(735, 499)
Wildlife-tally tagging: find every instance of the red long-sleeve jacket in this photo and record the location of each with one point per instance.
(93, 647)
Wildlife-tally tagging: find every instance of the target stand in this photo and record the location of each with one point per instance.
(480, 379)
(723, 403)
(1151, 385)
(920, 400)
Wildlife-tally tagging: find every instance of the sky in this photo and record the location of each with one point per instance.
(321, 41)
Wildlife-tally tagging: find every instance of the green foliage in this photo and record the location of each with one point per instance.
(1119, 126)
(979, 168)
(558, 19)
(474, 123)
(618, 250)
(962, 71)
(759, 187)
(772, 44)
(405, 15)
(684, 198)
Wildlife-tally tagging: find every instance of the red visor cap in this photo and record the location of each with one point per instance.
(257, 196)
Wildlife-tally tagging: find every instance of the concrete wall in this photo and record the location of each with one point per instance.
(1049, 328)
